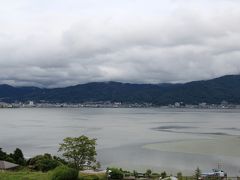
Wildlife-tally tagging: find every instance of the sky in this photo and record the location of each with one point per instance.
(59, 43)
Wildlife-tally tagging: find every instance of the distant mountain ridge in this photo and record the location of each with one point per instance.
(212, 91)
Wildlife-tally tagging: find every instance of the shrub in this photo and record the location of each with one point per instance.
(43, 162)
(116, 173)
(64, 173)
(163, 174)
(179, 176)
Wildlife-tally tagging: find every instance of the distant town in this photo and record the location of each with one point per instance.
(108, 104)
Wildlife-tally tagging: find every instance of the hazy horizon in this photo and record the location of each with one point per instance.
(120, 82)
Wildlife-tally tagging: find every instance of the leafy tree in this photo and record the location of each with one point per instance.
(80, 151)
(179, 176)
(3, 155)
(18, 157)
(148, 172)
(135, 173)
(197, 174)
(163, 174)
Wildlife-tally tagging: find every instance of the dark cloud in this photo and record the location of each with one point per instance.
(137, 41)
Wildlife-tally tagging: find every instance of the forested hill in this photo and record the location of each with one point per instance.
(210, 91)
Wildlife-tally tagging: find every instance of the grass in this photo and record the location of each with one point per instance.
(29, 175)
(24, 175)
(99, 176)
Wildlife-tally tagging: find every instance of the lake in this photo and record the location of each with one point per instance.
(160, 139)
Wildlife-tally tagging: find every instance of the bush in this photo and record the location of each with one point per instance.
(43, 162)
(64, 173)
(116, 173)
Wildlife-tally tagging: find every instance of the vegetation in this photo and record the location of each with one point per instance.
(179, 176)
(64, 173)
(15, 157)
(44, 162)
(212, 91)
(115, 173)
(148, 173)
(197, 174)
(84, 176)
(24, 175)
(79, 151)
(163, 174)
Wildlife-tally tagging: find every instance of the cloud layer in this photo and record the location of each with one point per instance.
(67, 42)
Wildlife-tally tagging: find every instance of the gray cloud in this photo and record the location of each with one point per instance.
(61, 43)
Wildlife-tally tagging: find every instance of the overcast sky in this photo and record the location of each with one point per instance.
(56, 43)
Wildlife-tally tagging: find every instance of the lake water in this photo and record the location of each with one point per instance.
(160, 139)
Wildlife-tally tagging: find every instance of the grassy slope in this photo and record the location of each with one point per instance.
(28, 175)
(24, 175)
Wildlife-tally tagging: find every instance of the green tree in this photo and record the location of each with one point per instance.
(18, 157)
(179, 176)
(197, 174)
(80, 151)
(148, 172)
(163, 174)
(3, 155)
(135, 173)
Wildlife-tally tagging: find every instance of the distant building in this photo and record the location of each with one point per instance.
(177, 104)
(31, 103)
(202, 105)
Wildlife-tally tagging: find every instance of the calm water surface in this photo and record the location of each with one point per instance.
(160, 139)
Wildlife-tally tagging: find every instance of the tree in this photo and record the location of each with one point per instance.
(148, 172)
(80, 151)
(197, 174)
(179, 176)
(163, 174)
(3, 155)
(18, 157)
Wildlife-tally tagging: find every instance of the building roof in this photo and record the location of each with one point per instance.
(4, 165)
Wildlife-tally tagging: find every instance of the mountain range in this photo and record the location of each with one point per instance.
(212, 91)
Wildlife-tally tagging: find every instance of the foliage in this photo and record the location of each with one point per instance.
(163, 174)
(101, 176)
(15, 157)
(210, 91)
(148, 172)
(43, 162)
(179, 176)
(23, 175)
(80, 151)
(18, 157)
(115, 173)
(64, 173)
(3, 155)
(155, 175)
(89, 177)
(135, 173)
(197, 174)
